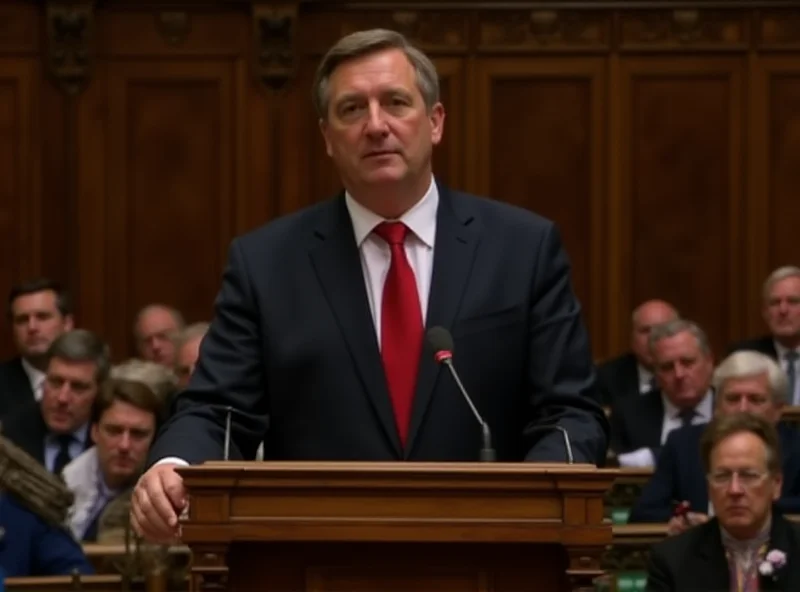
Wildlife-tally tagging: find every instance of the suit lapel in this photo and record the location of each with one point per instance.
(712, 571)
(630, 377)
(779, 539)
(337, 263)
(457, 237)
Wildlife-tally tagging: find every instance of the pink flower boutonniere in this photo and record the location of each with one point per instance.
(774, 561)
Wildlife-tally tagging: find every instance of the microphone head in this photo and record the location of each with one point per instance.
(441, 341)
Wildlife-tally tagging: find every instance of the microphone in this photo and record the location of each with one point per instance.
(227, 451)
(441, 341)
(564, 433)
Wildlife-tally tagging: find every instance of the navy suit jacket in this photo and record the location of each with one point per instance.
(764, 345)
(31, 547)
(679, 476)
(15, 387)
(293, 344)
(637, 422)
(695, 561)
(618, 379)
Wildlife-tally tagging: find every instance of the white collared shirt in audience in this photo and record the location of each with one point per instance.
(644, 456)
(35, 377)
(83, 478)
(645, 379)
(794, 398)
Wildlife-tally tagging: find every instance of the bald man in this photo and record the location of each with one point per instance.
(632, 373)
(155, 329)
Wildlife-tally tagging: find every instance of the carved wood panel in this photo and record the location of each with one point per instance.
(20, 206)
(682, 188)
(541, 147)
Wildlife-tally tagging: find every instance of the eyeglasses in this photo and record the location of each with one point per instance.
(747, 478)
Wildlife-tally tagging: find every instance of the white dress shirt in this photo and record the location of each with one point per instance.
(645, 379)
(35, 377)
(376, 255)
(643, 457)
(794, 398)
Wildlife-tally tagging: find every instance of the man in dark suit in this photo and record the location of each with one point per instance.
(745, 382)
(57, 430)
(781, 313)
(683, 366)
(39, 311)
(747, 546)
(631, 374)
(31, 547)
(308, 333)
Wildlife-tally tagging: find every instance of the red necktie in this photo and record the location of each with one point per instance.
(401, 326)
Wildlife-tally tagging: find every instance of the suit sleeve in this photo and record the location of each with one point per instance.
(655, 502)
(659, 578)
(229, 375)
(561, 370)
(56, 553)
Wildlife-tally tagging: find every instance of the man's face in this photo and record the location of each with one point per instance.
(68, 393)
(683, 370)
(186, 359)
(748, 395)
(740, 485)
(378, 131)
(782, 310)
(37, 322)
(154, 335)
(648, 316)
(123, 436)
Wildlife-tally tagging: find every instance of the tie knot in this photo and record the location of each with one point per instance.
(393, 233)
(686, 415)
(791, 356)
(64, 440)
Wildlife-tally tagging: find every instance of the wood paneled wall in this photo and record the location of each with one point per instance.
(137, 138)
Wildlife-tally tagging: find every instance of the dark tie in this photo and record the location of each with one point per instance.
(791, 374)
(686, 416)
(401, 326)
(63, 457)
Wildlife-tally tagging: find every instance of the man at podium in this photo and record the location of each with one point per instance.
(318, 345)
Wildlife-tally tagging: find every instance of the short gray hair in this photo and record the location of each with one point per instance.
(363, 43)
(191, 332)
(80, 345)
(159, 379)
(779, 274)
(676, 326)
(751, 364)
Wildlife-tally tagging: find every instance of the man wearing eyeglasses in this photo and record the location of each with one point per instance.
(746, 547)
(745, 381)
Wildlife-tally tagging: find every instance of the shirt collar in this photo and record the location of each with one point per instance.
(420, 219)
(35, 376)
(80, 435)
(703, 410)
(782, 351)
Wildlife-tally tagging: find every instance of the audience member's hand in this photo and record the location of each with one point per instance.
(679, 524)
(157, 502)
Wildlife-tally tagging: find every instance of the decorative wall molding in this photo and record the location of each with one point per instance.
(173, 25)
(70, 39)
(274, 34)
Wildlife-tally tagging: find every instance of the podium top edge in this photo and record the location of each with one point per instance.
(402, 468)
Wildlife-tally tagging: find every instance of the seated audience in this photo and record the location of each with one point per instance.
(745, 382)
(683, 365)
(782, 314)
(747, 546)
(39, 312)
(154, 330)
(187, 350)
(57, 430)
(124, 421)
(29, 546)
(632, 374)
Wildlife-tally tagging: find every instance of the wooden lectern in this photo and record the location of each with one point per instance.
(401, 527)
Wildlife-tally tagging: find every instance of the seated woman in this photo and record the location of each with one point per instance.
(29, 546)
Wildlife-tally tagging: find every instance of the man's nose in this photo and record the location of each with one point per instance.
(376, 122)
(735, 488)
(125, 441)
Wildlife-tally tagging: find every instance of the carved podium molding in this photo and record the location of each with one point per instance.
(274, 34)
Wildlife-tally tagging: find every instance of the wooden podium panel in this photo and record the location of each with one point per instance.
(336, 527)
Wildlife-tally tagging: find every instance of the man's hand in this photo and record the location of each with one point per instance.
(157, 501)
(679, 524)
